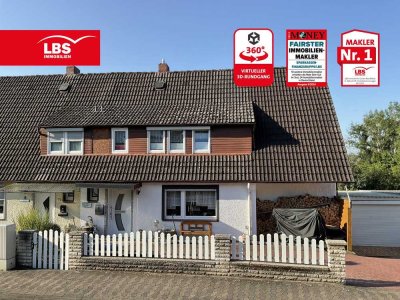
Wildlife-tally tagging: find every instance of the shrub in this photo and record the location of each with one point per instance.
(35, 220)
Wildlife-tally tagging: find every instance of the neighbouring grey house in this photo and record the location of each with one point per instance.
(375, 218)
(149, 149)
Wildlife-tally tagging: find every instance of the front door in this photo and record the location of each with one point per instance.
(119, 211)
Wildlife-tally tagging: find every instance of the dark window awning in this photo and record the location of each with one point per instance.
(102, 185)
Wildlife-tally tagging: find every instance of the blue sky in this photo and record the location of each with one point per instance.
(198, 35)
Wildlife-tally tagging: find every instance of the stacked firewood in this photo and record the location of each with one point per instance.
(329, 208)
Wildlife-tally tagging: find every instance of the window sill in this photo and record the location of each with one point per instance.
(63, 154)
(202, 152)
(180, 219)
(120, 152)
(157, 152)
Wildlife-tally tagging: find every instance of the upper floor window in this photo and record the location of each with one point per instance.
(2, 204)
(176, 141)
(119, 140)
(201, 141)
(156, 141)
(65, 141)
(173, 139)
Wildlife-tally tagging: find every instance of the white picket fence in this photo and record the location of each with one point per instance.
(50, 250)
(280, 249)
(149, 244)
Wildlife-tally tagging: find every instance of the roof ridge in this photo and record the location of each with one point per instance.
(138, 72)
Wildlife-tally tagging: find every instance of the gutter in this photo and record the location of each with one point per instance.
(249, 207)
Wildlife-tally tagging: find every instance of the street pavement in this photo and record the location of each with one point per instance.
(52, 284)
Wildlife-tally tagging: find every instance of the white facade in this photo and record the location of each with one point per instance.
(233, 217)
(140, 208)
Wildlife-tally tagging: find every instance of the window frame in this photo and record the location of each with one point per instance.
(65, 197)
(149, 142)
(194, 141)
(65, 141)
(169, 141)
(3, 215)
(183, 189)
(113, 130)
(90, 195)
(68, 140)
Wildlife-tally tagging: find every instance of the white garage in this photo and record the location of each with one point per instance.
(375, 218)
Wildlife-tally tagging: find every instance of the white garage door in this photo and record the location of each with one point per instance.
(376, 225)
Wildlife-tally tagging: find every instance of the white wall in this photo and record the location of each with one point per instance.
(16, 205)
(233, 208)
(98, 221)
(272, 191)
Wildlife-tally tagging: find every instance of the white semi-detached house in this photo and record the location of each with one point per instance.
(145, 150)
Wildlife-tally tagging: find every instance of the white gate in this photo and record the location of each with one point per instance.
(279, 249)
(50, 250)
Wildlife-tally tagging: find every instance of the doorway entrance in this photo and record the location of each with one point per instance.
(119, 211)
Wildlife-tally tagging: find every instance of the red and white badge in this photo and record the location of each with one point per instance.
(50, 47)
(306, 52)
(359, 58)
(253, 57)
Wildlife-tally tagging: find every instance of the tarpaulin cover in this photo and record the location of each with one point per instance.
(300, 222)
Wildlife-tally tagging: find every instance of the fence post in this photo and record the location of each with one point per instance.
(75, 249)
(223, 247)
(25, 248)
(337, 259)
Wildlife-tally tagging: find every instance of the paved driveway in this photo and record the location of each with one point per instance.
(373, 271)
(49, 284)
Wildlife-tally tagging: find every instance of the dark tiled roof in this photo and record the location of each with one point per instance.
(297, 136)
(189, 98)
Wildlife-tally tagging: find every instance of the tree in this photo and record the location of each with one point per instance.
(376, 160)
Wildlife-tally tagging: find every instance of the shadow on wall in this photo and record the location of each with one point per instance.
(276, 134)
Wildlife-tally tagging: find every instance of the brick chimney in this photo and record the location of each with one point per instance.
(163, 67)
(72, 70)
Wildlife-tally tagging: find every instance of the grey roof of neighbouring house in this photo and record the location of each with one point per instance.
(370, 194)
(297, 136)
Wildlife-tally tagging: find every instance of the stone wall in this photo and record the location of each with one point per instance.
(221, 266)
(337, 259)
(24, 248)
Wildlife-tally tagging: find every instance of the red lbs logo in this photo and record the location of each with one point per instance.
(361, 71)
(50, 47)
(60, 50)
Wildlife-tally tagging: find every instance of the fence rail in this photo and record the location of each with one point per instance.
(50, 250)
(149, 244)
(278, 248)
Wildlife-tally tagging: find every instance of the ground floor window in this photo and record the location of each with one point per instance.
(2, 204)
(190, 202)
